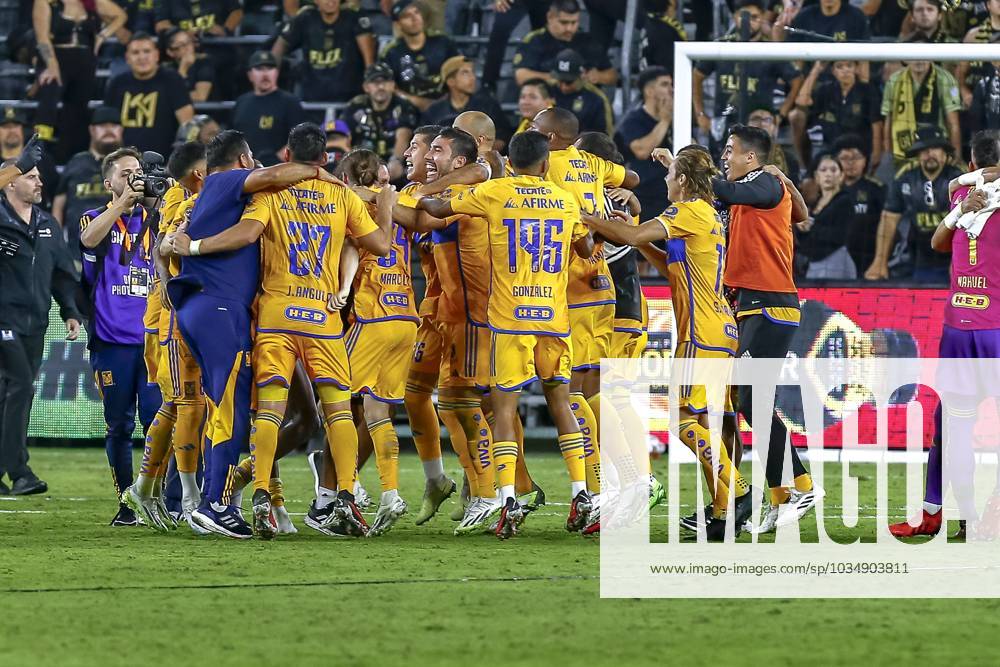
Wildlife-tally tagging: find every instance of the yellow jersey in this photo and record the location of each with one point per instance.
(462, 257)
(695, 258)
(383, 286)
(531, 225)
(175, 195)
(586, 175)
(425, 253)
(304, 231)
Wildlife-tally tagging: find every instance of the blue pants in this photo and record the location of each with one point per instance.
(120, 372)
(218, 333)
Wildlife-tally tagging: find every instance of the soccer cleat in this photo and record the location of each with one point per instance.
(533, 499)
(189, 505)
(690, 522)
(715, 529)
(282, 520)
(125, 517)
(143, 508)
(961, 533)
(770, 520)
(223, 520)
(264, 526)
(345, 519)
(480, 515)
(509, 522)
(458, 513)
(435, 493)
(930, 524)
(657, 494)
(317, 518)
(361, 498)
(800, 502)
(4, 489)
(579, 509)
(593, 523)
(743, 510)
(166, 516)
(387, 516)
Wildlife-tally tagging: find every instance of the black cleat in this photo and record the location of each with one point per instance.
(4, 489)
(690, 522)
(125, 517)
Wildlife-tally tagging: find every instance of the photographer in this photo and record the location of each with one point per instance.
(117, 244)
(34, 267)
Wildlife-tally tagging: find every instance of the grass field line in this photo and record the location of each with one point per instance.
(306, 584)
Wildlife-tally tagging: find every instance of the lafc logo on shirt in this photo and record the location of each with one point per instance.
(139, 110)
(324, 59)
(107, 379)
(266, 122)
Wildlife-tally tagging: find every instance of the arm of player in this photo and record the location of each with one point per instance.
(800, 212)
(470, 174)
(350, 259)
(380, 242)
(160, 262)
(439, 208)
(626, 198)
(879, 269)
(240, 235)
(657, 257)
(761, 192)
(623, 232)
(285, 174)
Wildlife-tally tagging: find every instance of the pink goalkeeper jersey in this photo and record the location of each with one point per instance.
(975, 276)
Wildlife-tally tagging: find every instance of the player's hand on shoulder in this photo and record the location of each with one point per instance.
(181, 244)
(327, 177)
(774, 171)
(622, 217)
(366, 195)
(975, 201)
(387, 196)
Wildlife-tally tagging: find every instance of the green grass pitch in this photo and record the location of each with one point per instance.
(77, 592)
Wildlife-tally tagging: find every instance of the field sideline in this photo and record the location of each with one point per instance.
(77, 592)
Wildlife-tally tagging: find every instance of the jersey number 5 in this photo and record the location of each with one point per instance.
(302, 235)
(538, 239)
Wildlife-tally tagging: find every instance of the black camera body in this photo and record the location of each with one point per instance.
(155, 179)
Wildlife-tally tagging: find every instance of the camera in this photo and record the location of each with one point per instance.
(155, 179)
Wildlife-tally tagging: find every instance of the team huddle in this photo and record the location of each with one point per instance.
(284, 299)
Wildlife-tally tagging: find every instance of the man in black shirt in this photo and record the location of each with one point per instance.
(587, 102)
(81, 187)
(459, 77)
(337, 45)
(152, 101)
(380, 120)
(416, 57)
(660, 31)
(868, 195)
(266, 114)
(927, 21)
(984, 113)
(212, 17)
(918, 200)
(12, 129)
(536, 55)
(647, 127)
(834, 18)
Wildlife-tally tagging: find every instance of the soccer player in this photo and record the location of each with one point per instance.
(970, 330)
(212, 296)
(380, 341)
(532, 225)
(705, 326)
(591, 294)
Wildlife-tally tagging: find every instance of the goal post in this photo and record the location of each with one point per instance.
(686, 52)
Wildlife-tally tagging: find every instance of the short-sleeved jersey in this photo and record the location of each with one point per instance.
(333, 64)
(304, 231)
(975, 275)
(695, 256)
(425, 253)
(461, 254)
(532, 224)
(383, 286)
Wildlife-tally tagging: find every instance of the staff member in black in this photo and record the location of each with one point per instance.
(266, 114)
(34, 267)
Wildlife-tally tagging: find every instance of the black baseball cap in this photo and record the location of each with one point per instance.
(568, 67)
(12, 114)
(262, 59)
(379, 71)
(105, 114)
(401, 6)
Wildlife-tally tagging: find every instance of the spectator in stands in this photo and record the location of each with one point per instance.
(507, 14)
(338, 143)
(604, 16)
(984, 113)
(969, 73)
(838, 19)
(781, 158)
(459, 77)
(918, 200)
(266, 114)
(927, 21)
(536, 95)
(645, 127)
(152, 101)
(211, 17)
(762, 79)
(822, 239)
(69, 34)
(416, 57)
(585, 100)
(886, 17)
(201, 128)
(920, 93)
(380, 120)
(660, 31)
(195, 68)
(867, 196)
(536, 55)
(81, 187)
(433, 11)
(964, 15)
(843, 105)
(337, 45)
(13, 127)
(141, 16)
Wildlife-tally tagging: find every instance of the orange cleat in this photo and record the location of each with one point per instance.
(930, 524)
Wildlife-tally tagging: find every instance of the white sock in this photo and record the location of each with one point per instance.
(931, 508)
(506, 491)
(325, 497)
(434, 469)
(357, 487)
(144, 485)
(389, 496)
(577, 487)
(190, 493)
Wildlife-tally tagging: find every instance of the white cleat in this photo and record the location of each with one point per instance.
(387, 515)
(800, 502)
(145, 509)
(283, 521)
(165, 516)
(480, 514)
(361, 498)
(189, 505)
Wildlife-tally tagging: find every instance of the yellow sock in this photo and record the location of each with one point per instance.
(588, 431)
(698, 440)
(342, 439)
(188, 436)
(803, 483)
(263, 445)
(277, 491)
(154, 455)
(479, 440)
(595, 406)
(386, 453)
(780, 495)
(505, 460)
(571, 446)
(522, 478)
(459, 443)
(424, 424)
(243, 474)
